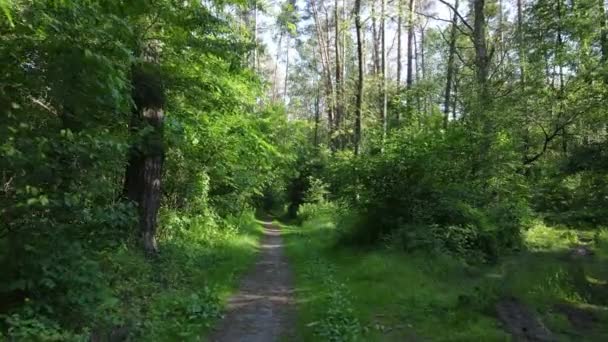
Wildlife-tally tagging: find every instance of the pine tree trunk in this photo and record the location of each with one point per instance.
(276, 68)
(317, 116)
(410, 46)
(384, 90)
(603, 33)
(450, 67)
(375, 40)
(286, 71)
(325, 62)
(359, 96)
(399, 27)
(339, 105)
(255, 35)
(482, 61)
(409, 80)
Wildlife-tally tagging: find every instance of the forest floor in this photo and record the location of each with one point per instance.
(542, 293)
(262, 310)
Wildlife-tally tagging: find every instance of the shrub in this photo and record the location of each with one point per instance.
(417, 187)
(309, 211)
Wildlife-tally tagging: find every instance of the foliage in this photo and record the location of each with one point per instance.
(401, 296)
(495, 144)
(71, 261)
(415, 187)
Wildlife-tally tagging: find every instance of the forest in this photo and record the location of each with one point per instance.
(313, 170)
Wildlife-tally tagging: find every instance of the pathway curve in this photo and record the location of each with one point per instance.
(262, 310)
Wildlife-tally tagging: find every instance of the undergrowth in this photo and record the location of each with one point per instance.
(176, 295)
(442, 294)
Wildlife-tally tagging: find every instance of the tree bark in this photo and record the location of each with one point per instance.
(410, 46)
(144, 169)
(375, 40)
(399, 29)
(339, 103)
(450, 67)
(422, 61)
(481, 121)
(325, 63)
(522, 75)
(286, 71)
(423, 64)
(603, 34)
(276, 67)
(409, 79)
(317, 117)
(383, 59)
(255, 35)
(359, 96)
(481, 50)
(520, 43)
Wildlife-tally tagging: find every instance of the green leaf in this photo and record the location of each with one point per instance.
(5, 7)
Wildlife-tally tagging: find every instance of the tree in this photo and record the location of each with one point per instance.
(145, 166)
(450, 65)
(384, 101)
(360, 78)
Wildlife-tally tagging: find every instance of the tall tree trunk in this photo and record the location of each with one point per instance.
(603, 34)
(399, 48)
(326, 66)
(255, 35)
(399, 29)
(482, 121)
(450, 66)
(409, 79)
(410, 46)
(422, 61)
(559, 44)
(520, 43)
(558, 57)
(317, 115)
(286, 70)
(276, 67)
(343, 30)
(339, 103)
(359, 96)
(423, 64)
(418, 71)
(481, 54)
(522, 77)
(455, 99)
(144, 169)
(332, 85)
(384, 90)
(500, 29)
(375, 40)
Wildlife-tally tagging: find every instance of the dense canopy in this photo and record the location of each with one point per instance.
(435, 164)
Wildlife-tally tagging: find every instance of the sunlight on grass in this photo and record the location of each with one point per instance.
(396, 296)
(542, 237)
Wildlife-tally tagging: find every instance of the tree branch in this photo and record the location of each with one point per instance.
(458, 14)
(548, 138)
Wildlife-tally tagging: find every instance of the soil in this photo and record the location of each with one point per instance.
(263, 309)
(521, 322)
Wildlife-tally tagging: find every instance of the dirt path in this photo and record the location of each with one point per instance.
(263, 309)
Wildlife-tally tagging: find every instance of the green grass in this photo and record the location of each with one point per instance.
(393, 296)
(200, 275)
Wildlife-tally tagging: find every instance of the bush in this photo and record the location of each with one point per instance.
(417, 188)
(309, 211)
